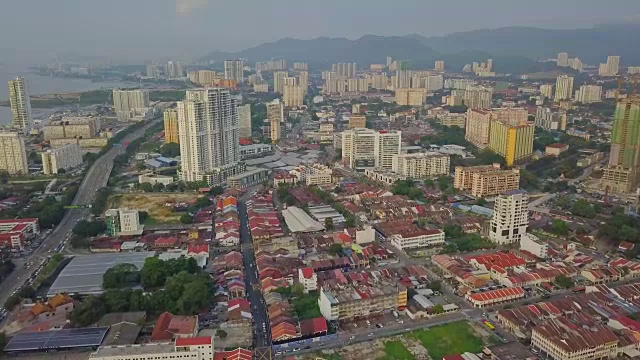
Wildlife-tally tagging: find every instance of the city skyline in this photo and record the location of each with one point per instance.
(180, 24)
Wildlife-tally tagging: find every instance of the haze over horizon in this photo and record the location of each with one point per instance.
(149, 29)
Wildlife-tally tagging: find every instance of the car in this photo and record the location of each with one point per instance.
(368, 323)
(401, 322)
(370, 335)
(296, 349)
(278, 353)
(352, 337)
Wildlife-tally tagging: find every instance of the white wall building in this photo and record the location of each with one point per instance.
(155, 179)
(366, 148)
(209, 136)
(130, 104)
(423, 238)
(510, 217)
(533, 245)
(234, 70)
(200, 348)
(421, 165)
(308, 278)
(65, 157)
(588, 94)
(244, 120)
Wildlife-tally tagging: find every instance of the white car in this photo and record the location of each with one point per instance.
(352, 337)
(296, 349)
(370, 335)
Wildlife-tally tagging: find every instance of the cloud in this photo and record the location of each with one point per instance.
(186, 7)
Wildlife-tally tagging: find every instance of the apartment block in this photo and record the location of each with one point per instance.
(62, 158)
(130, 104)
(439, 65)
(463, 175)
(357, 121)
(588, 94)
(410, 97)
(477, 127)
(550, 120)
(308, 278)
(611, 67)
(234, 70)
(293, 95)
(564, 87)
(171, 126)
(13, 154)
(72, 127)
(510, 217)
(561, 340)
(353, 302)
(244, 120)
(513, 142)
(623, 172)
(20, 104)
(421, 165)
(546, 90)
(535, 246)
(278, 81)
(494, 182)
(275, 115)
(366, 148)
(478, 97)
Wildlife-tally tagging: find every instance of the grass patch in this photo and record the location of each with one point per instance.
(153, 204)
(334, 356)
(453, 338)
(395, 350)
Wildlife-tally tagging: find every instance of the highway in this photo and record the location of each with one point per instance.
(95, 179)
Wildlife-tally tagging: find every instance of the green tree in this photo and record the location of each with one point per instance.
(328, 223)
(559, 227)
(170, 150)
(335, 249)
(437, 309)
(350, 221)
(221, 333)
(563, 282)
(203, 202)
(84, 228)
(146, 187)
(216, 190)
(118, 300)
(435, 285)
(186, 219)
(481, 202)
(153, 273)
(88, 312)
(583, 208)
(121, 275)
(158, 187)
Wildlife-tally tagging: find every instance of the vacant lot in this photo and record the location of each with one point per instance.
(454, 338)
(395, 350)
(153, 204)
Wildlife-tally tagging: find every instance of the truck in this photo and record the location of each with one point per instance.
(488, 325)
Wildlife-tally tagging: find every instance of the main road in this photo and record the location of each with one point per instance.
(95, 179)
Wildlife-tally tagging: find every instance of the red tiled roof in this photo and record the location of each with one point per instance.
(496, 295)
(237, 354)
(197, 249)
(194, 341)
(307, 272)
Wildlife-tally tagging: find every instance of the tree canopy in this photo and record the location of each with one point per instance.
(121, 275)
(170, 150)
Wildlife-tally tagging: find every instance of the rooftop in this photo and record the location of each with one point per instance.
(83, 275)
(299, 221)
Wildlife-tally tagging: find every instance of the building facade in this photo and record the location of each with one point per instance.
(234, 70)
(564, 87)
(293, 95)
(463, 175)
(588, 94)
(171, 126)
(62, 158)
(20, 104)
(366, 148)
(351, 303)
(244, 120)
(421, 165)
(128, 104)
(275, 115)
(494, 183)
(510, 218)
(209, 136)
(622, 175)
(13, 154)
(410, 97)
(513, 142)
(123, 222)
(357, 121)
(477, 127)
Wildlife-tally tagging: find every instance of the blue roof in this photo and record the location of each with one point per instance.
(154, 163)
(57, 339)
(166, 160)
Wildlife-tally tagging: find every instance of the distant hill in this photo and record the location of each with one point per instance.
(513, 49)
(590, 45)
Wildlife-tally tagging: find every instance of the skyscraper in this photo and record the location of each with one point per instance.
(303, 80)
(244, 118)
(564, 87)
(611, 67)
(275, 115)
(20, 105)
(563, 59)
(293, 95)
(209, 136)
(622, 174)
(589, 94)
(171, 126)
(129, 103)
(13, 154)
(478, 97)
(510, 217)
(439, 65)
(513, 141)
(366, 148)
(278, 81)
(234, 70)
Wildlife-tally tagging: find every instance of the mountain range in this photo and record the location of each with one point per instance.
(513, 49)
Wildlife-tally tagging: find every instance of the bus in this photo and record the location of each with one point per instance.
(489, 325)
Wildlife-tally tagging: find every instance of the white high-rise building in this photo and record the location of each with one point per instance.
(173, 70)
(13, 154)
(563, 59)
(367, 148)
(439, 65)
(588, 94)
(20, 105)
(209, 129)
(434, 82)
(129, 103)
(550, 120)
(293, 96)
(510, 217)
(422, 165)
(244, 120)
(63, 158)
(611, 67)
(279, 81)
(564, 87)
(234, 70)
(546, 90)
(303, 80)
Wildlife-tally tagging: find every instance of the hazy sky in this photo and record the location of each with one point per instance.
(145, 29)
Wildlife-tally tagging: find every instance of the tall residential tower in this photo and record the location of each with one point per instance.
(20, 105)
(622, 174)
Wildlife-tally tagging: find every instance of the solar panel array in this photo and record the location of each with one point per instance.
(57, 339)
